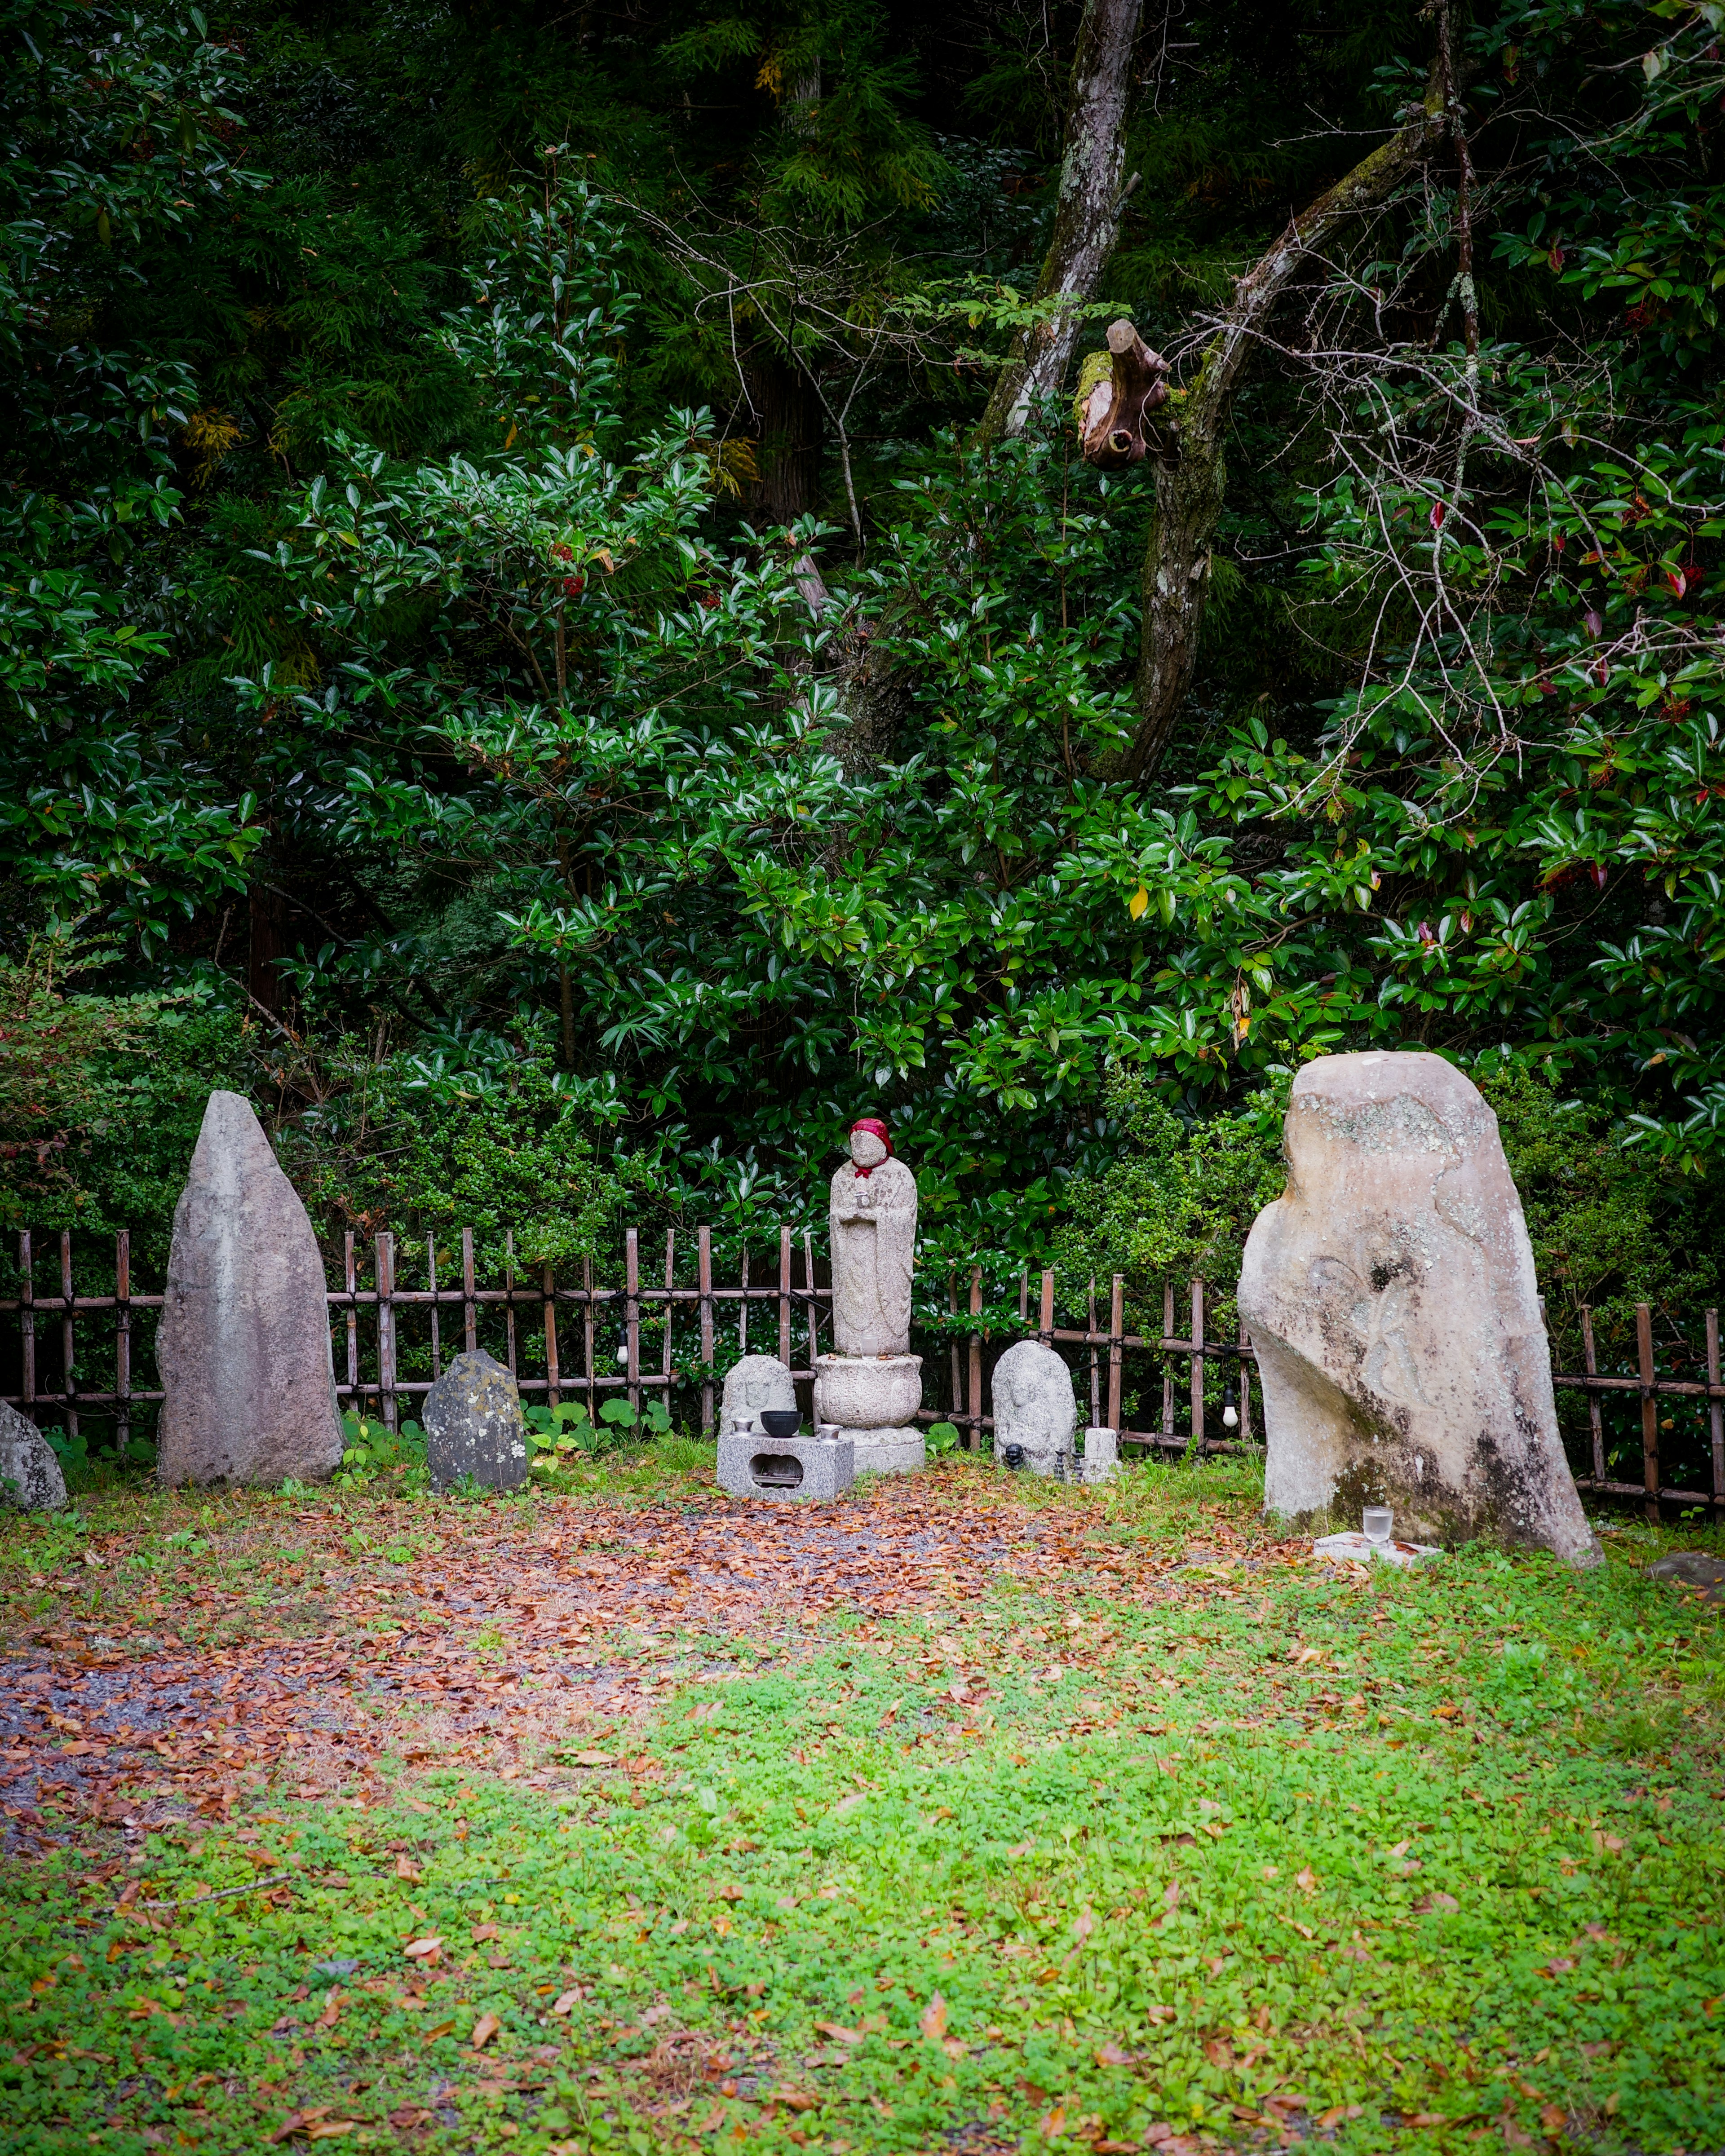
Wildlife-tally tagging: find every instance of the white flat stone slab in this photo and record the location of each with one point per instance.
(1354, 1548)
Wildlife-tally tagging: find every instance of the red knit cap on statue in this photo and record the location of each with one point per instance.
(876, 1128)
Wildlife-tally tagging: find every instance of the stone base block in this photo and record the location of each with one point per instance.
(1355, 1548)
(887, 1451)
(805, 1470)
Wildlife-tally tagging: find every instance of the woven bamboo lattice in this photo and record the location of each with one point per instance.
(533, 1325)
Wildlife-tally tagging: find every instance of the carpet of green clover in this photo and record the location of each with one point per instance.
(1398, 1861)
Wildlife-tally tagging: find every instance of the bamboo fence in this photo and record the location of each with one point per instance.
(564, 1331)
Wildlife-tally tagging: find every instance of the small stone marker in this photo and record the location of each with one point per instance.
(754, 1385)
(1034, 1408)
(808, 1470)
(1101, 1454)
(1356, 1549)
(474, 1427)
(1395, 1312)
(30, 1477)
(1693, 1568)
(248, 1387)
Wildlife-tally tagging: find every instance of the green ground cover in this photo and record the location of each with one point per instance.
(1132, 1829)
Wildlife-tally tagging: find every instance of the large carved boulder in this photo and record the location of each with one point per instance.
(243, 1346)
(1392, 1300)
(1034, 1408)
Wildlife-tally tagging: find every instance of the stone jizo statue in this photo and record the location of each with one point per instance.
(868, 1391)
(873, 1227)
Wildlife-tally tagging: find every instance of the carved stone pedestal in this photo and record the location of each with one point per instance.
(870, 1400)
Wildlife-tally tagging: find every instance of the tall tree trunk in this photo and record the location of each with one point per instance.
(788, 419)
(1190, 483)
(1086, 212)
(269, 911)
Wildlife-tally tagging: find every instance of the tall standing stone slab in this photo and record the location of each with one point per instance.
(1393, 1308)
(243, 1346)
(473, 1425)
(1036, 1408)
(30, 1477)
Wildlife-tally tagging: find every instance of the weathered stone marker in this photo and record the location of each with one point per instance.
(1392, 1300)
(243, 1346)
(473, 1425)
(1034, 1408)
(30, 1477)
(753, 1385)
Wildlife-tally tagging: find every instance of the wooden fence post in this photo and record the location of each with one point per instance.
(27, 1314)
(588, 1325)
(1095, 1382)
(670, 1307)
(1167, 1365)
(469, 1309)
(784, 1297)
(957, 1374)
(704, 1246)
(1650, 1408)
(814, 1303)
(632, 1317)
(1116, 1336)
(1717, 1416)
(386, 1327)
(1197, 1363)
(1045, 1322)
(549, 1287)
(350, 1280)
(1592, 1368)
(69, 1344)
(976, 1362)
(122, 1337)
(437, 1365)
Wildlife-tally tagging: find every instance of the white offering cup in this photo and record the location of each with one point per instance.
(1377, 1522)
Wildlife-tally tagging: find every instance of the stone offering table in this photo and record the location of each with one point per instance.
(797, 1470)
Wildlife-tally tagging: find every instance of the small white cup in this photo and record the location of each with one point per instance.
(1376, 1523)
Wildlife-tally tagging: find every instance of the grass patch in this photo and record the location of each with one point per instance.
(1140, 1832)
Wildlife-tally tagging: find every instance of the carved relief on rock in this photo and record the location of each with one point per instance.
(1395, 1314)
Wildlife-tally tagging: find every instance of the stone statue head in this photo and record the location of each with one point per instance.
(870, 1144)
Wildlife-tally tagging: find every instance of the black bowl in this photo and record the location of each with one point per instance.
(781, 1422)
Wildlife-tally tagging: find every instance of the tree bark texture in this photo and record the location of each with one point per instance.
(1191, 482)
(1086, 212)
(789, 423)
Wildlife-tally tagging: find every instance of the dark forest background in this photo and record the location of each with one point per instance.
(521, 652)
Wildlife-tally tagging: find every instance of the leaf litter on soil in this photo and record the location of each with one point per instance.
(949, 1815)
